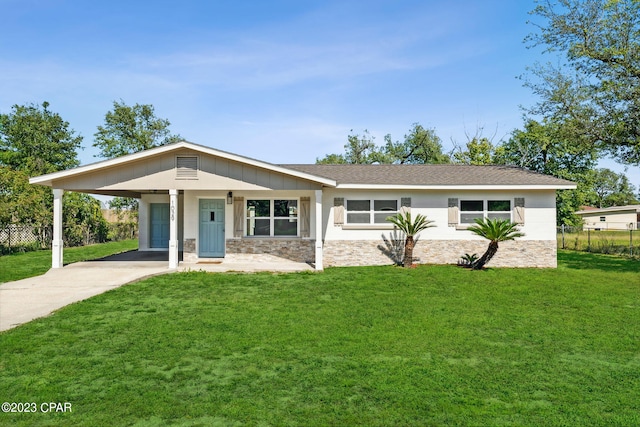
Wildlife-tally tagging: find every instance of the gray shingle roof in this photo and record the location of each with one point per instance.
(429, 175)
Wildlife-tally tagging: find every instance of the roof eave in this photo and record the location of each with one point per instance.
(457, 187)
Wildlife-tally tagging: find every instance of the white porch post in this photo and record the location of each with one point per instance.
(173, 229)
(57, 244)
(318, 210)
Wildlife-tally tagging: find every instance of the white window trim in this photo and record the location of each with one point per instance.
(271, 218)
(371, 225)
(485, 211)
(371, 212)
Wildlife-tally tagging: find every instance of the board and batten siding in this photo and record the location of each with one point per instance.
(160, 173)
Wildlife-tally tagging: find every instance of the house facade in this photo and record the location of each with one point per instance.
(206, 203)
(612, 218)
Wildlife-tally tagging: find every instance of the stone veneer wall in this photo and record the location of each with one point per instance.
(299, 250)
(520, 253)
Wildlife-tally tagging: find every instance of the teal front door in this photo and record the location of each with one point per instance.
(211, 228)
(159, 235)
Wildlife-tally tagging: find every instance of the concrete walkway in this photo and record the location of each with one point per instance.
(27, 299)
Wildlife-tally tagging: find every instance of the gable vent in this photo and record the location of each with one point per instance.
(186, 167)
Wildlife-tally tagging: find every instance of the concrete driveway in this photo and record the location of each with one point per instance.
(27, 299)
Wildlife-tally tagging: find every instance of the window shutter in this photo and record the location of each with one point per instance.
(453, 212)
(305, 216)
(338, 210)
(186, 167)
(518, 210)
(238, 216)
(405, 204)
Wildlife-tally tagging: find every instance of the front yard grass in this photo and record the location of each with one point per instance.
(29, 264)
(430, 346)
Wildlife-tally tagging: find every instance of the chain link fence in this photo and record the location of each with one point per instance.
(615, 241)
(24, 238)
(21, 238)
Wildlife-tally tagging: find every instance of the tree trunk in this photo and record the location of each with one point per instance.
(486, 257)
(408, 252)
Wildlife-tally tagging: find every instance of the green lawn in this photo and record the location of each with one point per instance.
(431, 346)
(29, 264)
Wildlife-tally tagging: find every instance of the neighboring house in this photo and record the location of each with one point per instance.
(209, 203)
(613, 218)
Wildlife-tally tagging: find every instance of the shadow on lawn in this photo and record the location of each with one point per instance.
(587, 261)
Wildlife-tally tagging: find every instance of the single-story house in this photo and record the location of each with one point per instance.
(613, 218)
(207, 203)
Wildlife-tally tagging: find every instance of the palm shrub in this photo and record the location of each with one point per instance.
(495, 230)
(410, 227)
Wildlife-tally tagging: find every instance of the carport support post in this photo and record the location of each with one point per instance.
(173, 228)
(57, 244)
(318, 198)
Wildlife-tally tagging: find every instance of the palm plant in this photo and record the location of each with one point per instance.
(495, 230)
(410, 228)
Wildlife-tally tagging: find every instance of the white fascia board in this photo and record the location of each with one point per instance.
(49, 178)
(454, 187)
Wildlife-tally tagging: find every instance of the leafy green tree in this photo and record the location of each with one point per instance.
(359, 150)
(479, 151)
(612, 189)
(33, 141)
(599, 87)
(21, 202)
(420, 146)
(554, 149)
(37, 141)
(82, 219)
(410, 227)
(495, 230)
(129, 130)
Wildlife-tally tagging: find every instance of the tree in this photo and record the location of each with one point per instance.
(601, 80)
(129, 130)
(37, 141)
(33, 141)
(554, 148)
(359, 150)
(420, 146)
(612, 189)
(82, 219)
(21, 202)
(410, 228)
(479, 151)
(495, 230)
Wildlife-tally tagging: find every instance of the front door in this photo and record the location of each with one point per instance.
(211, 228)
(159, 235)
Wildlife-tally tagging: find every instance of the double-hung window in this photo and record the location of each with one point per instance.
(470, 210)
(272, 217)
(370, 211)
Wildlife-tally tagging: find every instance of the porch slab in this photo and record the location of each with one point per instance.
(246, 263)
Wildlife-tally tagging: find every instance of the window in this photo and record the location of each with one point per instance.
(370, 211)
(500, 209)
(603, 219)
(268, 217)
(470, 210)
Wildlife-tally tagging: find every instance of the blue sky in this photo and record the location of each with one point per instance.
(282, 81)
